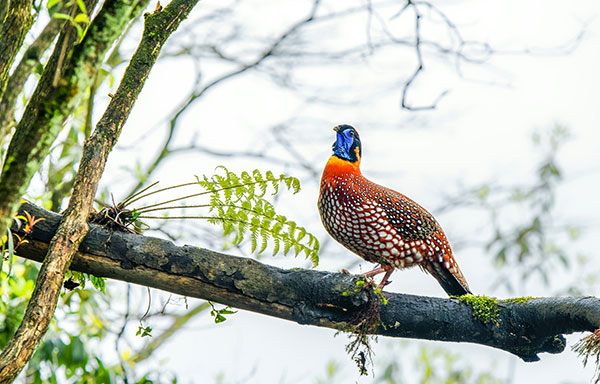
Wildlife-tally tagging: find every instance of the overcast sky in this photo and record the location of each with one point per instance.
(480, 132)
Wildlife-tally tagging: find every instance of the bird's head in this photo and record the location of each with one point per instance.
(347, 144)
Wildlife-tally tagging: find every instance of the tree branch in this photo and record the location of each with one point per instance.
(14, 26)
(66, 77)
(522, 327)
(178, 322)
(73, 226)
(419, 68)
(197, 94)
(31, 58)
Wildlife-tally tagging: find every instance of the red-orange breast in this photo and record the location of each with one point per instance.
(381, 225)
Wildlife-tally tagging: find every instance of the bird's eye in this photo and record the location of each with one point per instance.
(352, 133)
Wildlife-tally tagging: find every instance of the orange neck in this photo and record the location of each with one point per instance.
(336, 166)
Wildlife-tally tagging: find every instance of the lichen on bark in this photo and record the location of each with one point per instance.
(73, 226)
(15, 23)
(52, 102)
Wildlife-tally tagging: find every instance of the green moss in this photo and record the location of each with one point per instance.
(485, 309)
(518, 300)
(360, 286)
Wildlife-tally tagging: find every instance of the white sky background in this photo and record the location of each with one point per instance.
(480, 132)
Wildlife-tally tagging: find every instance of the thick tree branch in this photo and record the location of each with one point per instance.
(524, 328)
(73, 226)
(14, 25)
(31, 58)
(66, 77)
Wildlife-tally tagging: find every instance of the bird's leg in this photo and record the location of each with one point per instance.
(384, 281)
(382, 268)
(375, 272)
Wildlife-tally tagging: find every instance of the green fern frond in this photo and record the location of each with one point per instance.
(287, 244)
(276, 245)
(257, 216)
(237, 203)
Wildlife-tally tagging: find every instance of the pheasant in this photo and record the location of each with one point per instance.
(381, 225)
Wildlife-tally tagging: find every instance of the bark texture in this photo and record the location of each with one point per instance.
(47, 109)
(68, 74)
(15, 21)
(73, 226)
(524, 327)
(30, 60)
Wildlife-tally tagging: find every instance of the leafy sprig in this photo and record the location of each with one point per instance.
(79, 279)
(144, 331)
(219, 314)
(238, 203)
(7, 243)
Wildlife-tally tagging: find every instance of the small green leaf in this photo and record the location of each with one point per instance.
(52, 3)
(79, 30)
(144, 331)
(81, 5)
(99, 283)
(82, 18)
(218, 314)
(135, 214)
(296, 185)
(63, 16)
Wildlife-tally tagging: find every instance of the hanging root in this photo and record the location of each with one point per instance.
(361, 327)
(587, 347)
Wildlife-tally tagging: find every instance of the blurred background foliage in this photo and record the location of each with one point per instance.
(93, 336)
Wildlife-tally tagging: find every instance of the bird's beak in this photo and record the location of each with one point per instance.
(336, 128)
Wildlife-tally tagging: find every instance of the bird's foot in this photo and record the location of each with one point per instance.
(384, 284)
(385, 280)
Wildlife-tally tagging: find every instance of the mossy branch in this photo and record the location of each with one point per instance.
(523, 327)
(73, 226)
(66, 77)
(13, 27)
(16, 83)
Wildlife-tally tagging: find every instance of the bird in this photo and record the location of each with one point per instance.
(379, 224)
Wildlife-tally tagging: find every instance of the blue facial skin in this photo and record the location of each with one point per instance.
(346, 142)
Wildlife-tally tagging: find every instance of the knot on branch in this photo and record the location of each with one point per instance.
(529, 352)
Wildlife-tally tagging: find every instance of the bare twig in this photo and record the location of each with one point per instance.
(178, 322)
(420, 66)
(268, 52)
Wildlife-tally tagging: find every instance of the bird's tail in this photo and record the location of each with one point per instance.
(452, 280)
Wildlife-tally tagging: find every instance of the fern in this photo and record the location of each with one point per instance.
(238, 204)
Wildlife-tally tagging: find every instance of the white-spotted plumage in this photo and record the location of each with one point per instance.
(383, 226)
